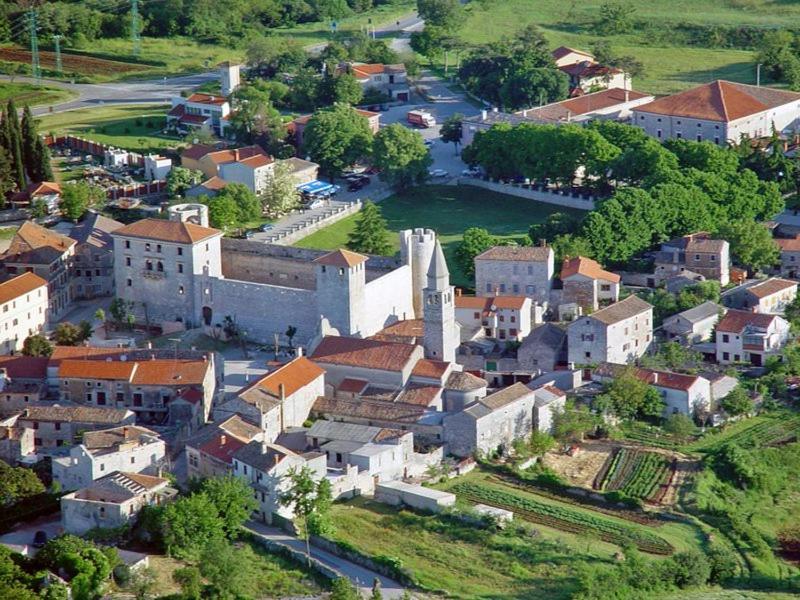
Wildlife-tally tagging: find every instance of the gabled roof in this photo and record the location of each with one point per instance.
(563, 51)
(161, 230)
(168, 372)
(259, 160)
(219, 157)
(586, 104)
(789, 245)
(293, 376)
(206, 99)
(33, 243)
(487, 304)
(350, 432)
(19, 286)
(701, 312)
(654, 377)
(735, 321)
(505, 396)
(547, 335)
(369, 354)
(76, 414)
(341, 258)
(720, 100)
(96, 369)
(405, 332)
(119, 487)
(462, 381)
(197, 151)
(619, 311)
(262, 456)
(522, 253)
(214, 183)
(24, 367)
(773, 285)
(95, 230)
(369, 408)
(352, 385)
(580, 265)
(432, 369)
(42, 188)
(106, 439)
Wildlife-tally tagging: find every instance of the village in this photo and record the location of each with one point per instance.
(340, 327)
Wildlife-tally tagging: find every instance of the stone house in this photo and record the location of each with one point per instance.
(586, 284)
(491, 423)
(504, 318)
(266, 467)
(720, 112)
(112, 501)
(744, 336)
(390, 80)
(209, 453)
(50, 255)
(585, 73)
(155, 390)
(696, 253)
(94, 256)
(16, 441)
(281, 399)
(515, 271)
(23, 310)
(55, 426)
(254, 172)
(544, 349)
(619, 333)
(485, 120)
(790, 257)
(135, 449)
(47, 192)
(22, 382)
(694, 325)
(548, 400)
(770, 296)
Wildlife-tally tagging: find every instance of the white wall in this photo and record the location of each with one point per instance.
(21, 317)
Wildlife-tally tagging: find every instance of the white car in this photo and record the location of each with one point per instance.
(438, 173)
(318, 203)
(471, 172)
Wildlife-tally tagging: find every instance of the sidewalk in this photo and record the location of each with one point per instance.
(360, 576)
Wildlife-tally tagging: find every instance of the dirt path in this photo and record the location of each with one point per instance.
(582, 468)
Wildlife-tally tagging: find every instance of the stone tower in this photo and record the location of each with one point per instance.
(439, 319)
(230, 78)
(341, 282)
(416, 249)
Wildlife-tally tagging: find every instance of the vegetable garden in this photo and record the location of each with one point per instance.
(636, 473)
(565, 518)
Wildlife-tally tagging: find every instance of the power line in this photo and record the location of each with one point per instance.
(35, 67)
(136, 37)
(57, 40)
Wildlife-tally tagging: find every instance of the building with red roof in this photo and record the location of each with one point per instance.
(502, 318)
(207, 112)
(749, 337)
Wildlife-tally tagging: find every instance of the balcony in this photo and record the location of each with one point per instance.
(153, 274)
(755, 343)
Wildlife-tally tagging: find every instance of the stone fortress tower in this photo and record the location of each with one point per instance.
(417, 248)
(189, 213)
(341, 290)
(441, 333)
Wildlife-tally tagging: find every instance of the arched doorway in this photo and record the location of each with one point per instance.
(207, 315)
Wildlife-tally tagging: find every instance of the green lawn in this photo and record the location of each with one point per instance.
(129, 127)
(449, 210)
(33, 95)
(668, 67)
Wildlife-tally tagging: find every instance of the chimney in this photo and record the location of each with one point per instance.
(525, 113)
(484, 115)
(542, 243)
(458, 291)
(236, 154)
(494, 109)
(627, 95)
(298, 351)
(275, 460)
(569, 116)
(222, 440)
(655, 376)
(282, 394)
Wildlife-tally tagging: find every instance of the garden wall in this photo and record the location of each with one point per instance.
(314, 223)
(566, 199)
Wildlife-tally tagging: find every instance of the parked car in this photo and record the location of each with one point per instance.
(39, 539)
(357, 178)
(267, 226)
(318, 203)
(354, 186)
(471, 172)
(438, 173)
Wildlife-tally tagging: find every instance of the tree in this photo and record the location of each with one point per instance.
(222, 211)
(142, 583)
(69, 334)
(680, 425)
(272, 55)
(474, 241)
(370, 235)
(752, 246)
(281, 195)
(572, 422)
(233, 499)
(180, 179)
(401, 156)
(17, 484)
(29, 146)
(309, 500)
(6, 177)
(120, 310)
(343, 589)
(528, 87)
(248, 207)
(228, 569)
(376, 590)
(191, 582)
(451, 130)
(343, 88)
(76, 198)
(690, 568)
(336, 138)
(13, 143)
(190, 524)
(628, 396)
(37, 345)
(255, 116)
(447, 14)
(737, 402)
(541, 442)
(615, 18)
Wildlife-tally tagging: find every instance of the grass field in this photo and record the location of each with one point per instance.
(449, 210)
(129, 127)
(32, 95)
(668, 67)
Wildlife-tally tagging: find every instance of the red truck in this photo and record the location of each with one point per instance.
(420, 118)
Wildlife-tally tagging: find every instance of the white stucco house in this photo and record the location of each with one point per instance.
(743, 336)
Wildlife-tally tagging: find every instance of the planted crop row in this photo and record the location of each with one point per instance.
(565, 518)
(636, 473)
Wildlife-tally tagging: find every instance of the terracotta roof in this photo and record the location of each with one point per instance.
(76, 414)
(404, 332)
(237, 154)
(351, 385)
(222, 446)
(19, 286)
(369, 354)
(341, 258)
(96, 369)
(563, 51)
(167, 231)
(524, 253)
(197, 151)
(215, 183)
(485, 303)
(367, 408)
(619, 311)
(170, 372)
(42, 188)
(195, 119)
(365, 70)
(464, 382)
(206, 99)
(420, 395)
(191, 395)
(586, 104)
(33, 243)
(257, 161)
(720, 101)
(664, 379)
(789, 245)
(61, 353)
(588, 69)
(735, 321)
(580, 265)
(705, 245)
(771, 286)
(147, 481)
(433, 369)
(294, 375)
(24, 367)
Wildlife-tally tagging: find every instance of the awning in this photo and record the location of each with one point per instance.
(315, 187)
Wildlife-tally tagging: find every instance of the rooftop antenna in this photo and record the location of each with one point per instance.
(59, 67)
(136, 25)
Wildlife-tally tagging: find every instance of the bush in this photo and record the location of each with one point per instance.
(122, 575)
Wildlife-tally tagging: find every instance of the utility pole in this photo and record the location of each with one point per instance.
(136, 25)
(758, 75)
(59, 66)
(36, 68)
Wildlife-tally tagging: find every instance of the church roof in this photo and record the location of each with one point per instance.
(341, 258)
(438, 267)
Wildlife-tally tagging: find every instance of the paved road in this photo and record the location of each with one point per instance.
(20, 539)
(360, 576)
(401, 27)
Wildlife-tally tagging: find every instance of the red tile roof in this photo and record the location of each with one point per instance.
(485, 303)
(222, 446)
(735, 321)
(351, 385)
(294, 375)
(580, 265)
(789, 245)
(197, 151)
(771, 286)
(369, 354)
(19, 286)
(563, 51)
(433, 369)
(167, 231)
(207, 99)
(24, 367)
(341, 258)
(256, 161)
(171, 372)
(96, 369)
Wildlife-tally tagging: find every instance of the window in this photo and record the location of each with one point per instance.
(515, 287)
(160, 267)
(133, 460)
(127, 261)
(101, 398)
(488, 287)
(699, 137)
(102, 467)
(530, 289)
(530, 269)
(180, 267)
(338, 457)
(476, 315)
(513, 319)
(512, 332)
(120, 397)
(88, 396)
(129, 282)
(604, 287)
(180, 251)
(147, 247)
(658, 133)
(127, 243)
(78, 272)
(716, 140)
(725, 338)
(158, 247)
(58, 426)
(587, 354)
(137, 399)
(148, 265)
(502, 287)
(502, 318)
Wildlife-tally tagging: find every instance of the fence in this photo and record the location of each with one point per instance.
(539, 193)
(297, 231)
(138, 190)
(89, 147)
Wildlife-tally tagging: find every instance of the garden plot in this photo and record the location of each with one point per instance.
(581, 469)
(636, 473)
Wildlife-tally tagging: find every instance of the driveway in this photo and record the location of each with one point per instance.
(20, 539)
(361, 577)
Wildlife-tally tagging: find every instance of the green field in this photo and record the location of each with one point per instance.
(449, 210)
(129, 127)
(668, 66)
(32, 95)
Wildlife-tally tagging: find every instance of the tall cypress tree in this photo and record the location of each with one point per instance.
(29, 145)
(6, 180)
(15, 145)
(44, 171)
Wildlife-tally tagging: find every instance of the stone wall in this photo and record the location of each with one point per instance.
(315, 223)
(565, 199)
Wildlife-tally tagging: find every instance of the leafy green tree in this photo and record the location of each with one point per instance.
(723, 563)
(568, 245)
(310, 501)
(429, 41)
(370, 235)
(615, 18)
(541, 442)
(190, 524)
(255, 118)
(37, 345)
(248, 207)
(737, 402)
(223, 213)
(6, 177)
(13, 143)
(343, 88)
(690, 568)
(628, 396)
(376, 590)
(28, 144)
(304, 94)
(76, 198)
(180, 179)
(143, 583)
(272, 55)
(673, 356)
(751, 246)
(228, 569)
(17, 484)
(233, 499)
(191, 582)
(573, 422)
(281, 195)
(401, 156)
(336, 138)
(532, 86)
(343, 589)
(448, 14)
(451, 130)
(792, 313)
(680, 425)
(474, 241)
